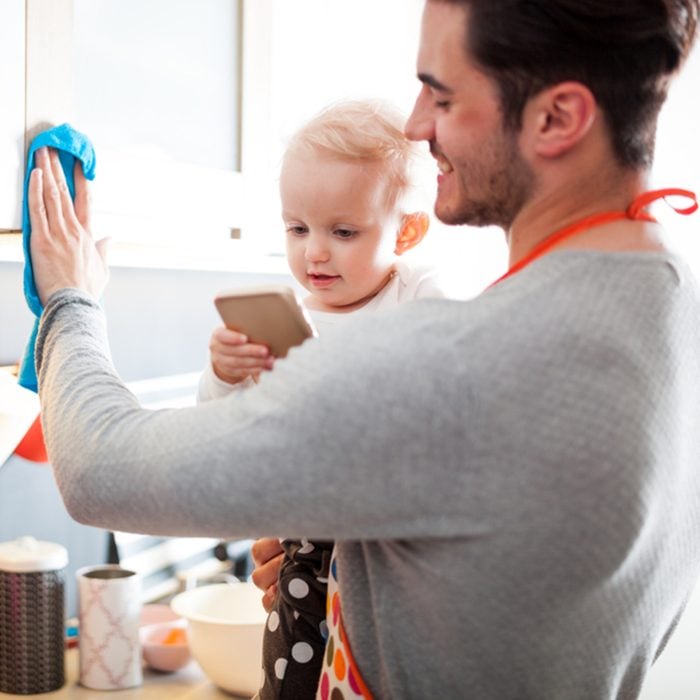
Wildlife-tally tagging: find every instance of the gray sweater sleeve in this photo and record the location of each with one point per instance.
(294, 455)
(401, 425)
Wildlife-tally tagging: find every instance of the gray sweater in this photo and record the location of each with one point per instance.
(513, 482)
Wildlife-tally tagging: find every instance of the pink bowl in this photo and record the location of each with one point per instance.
(157, 612)
(159, 655)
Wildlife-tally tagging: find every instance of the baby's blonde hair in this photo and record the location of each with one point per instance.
(360, 131)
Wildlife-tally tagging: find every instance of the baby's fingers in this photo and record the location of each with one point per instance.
(262, 551)
(241, 363)
(227, 336)
(269, 598)
(232, 343)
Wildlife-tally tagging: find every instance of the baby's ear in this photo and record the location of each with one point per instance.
(413, 229)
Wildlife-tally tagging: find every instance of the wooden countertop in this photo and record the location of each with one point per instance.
(189, 683)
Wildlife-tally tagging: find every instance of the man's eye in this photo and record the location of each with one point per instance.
(442, 104)
(344, 233)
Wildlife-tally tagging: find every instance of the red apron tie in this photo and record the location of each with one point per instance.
(635, 212)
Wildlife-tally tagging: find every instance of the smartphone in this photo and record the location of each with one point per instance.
(270, 315)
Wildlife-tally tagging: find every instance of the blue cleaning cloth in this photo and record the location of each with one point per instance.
(71, 146)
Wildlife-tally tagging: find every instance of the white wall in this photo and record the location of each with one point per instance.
(677, 162)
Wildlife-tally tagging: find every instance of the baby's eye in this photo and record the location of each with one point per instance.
(344, 233)
(296, 230)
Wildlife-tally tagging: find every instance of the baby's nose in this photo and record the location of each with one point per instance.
(316, 249)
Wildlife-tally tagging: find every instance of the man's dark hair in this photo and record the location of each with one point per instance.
(624, 51)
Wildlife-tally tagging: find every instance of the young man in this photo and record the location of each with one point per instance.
(517, 510)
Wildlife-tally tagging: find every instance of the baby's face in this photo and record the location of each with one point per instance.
(340, 230)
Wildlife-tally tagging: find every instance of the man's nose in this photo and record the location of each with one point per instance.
(420, 125)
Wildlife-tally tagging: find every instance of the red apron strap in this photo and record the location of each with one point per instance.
(32, 446)
(636, 209)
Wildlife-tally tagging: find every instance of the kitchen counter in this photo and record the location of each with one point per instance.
(675, 675)
(189, 683)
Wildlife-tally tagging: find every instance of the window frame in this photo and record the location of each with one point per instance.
(12, 116)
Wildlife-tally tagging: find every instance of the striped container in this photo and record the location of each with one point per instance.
(32, 623)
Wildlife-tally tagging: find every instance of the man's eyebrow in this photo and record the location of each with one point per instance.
(432, 82)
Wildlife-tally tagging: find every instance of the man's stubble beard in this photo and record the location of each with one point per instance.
(503, 179)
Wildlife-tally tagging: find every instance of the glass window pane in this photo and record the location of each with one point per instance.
(161, 78)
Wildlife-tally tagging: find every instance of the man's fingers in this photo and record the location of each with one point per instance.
(50, 194)
(37, 210)
(66, 202)
(103, 247)
(82, 196)
(63, 255)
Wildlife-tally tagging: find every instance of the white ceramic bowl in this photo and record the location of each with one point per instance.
(226, 623)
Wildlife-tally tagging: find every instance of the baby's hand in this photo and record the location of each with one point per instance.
(267, 556)
(234, 358)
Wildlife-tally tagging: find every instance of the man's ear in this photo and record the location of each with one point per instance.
(413, 229)
(559, 118)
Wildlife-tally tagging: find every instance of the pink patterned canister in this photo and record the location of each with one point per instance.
(110, 608)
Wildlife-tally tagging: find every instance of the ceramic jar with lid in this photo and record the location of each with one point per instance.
(32, 616)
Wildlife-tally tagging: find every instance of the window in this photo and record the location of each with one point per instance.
(158, 92)
(158, 86)
(190, 103)
(161, 77)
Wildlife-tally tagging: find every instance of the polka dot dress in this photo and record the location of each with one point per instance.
(340, 677)
(295, 635)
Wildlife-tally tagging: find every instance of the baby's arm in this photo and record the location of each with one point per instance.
(234, 363)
